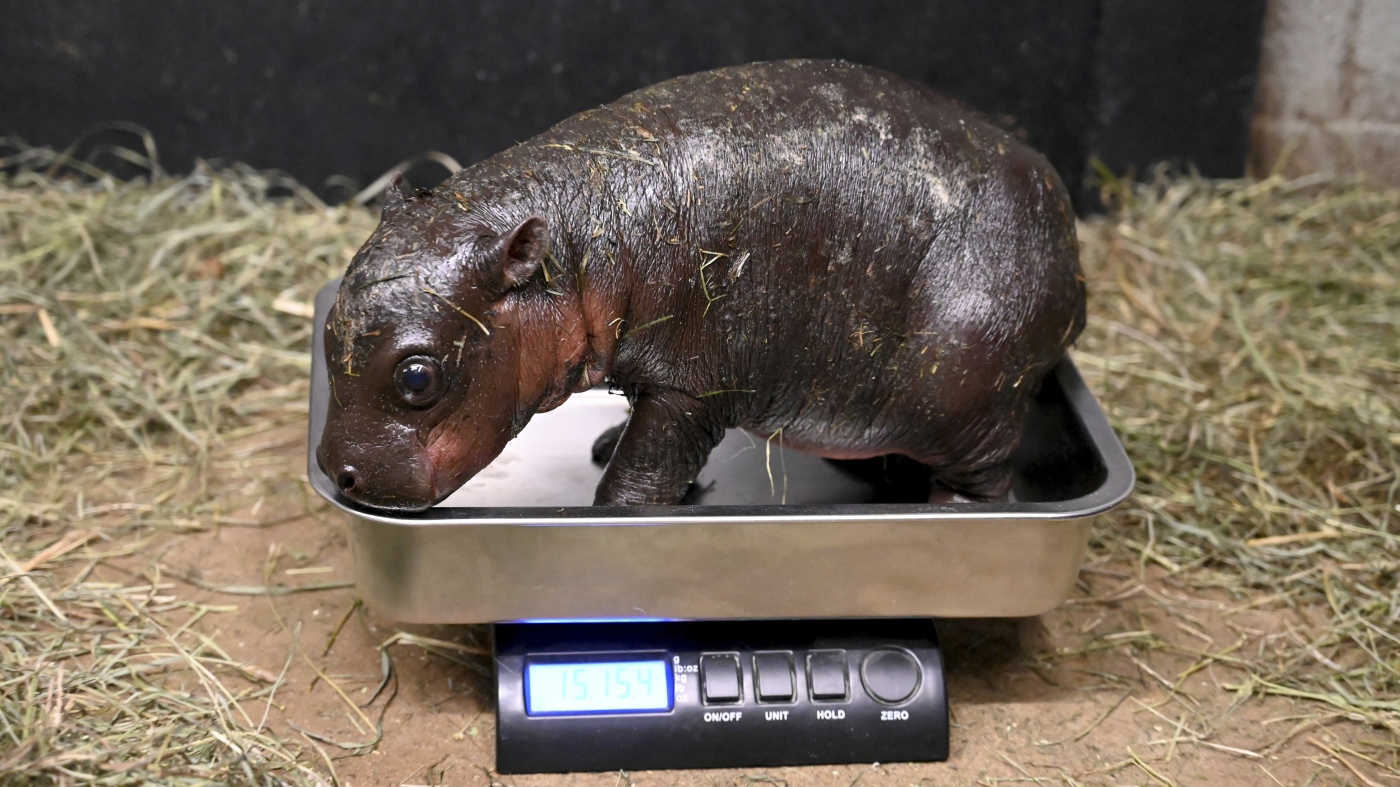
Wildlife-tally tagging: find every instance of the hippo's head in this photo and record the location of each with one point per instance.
(444, 340)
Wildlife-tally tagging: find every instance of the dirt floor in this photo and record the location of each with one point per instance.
(1130, 682)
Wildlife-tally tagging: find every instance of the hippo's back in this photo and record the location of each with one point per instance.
(866, 201)
(856, 260)
(846, 161)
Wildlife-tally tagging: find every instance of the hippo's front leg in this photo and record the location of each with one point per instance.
(661, 450)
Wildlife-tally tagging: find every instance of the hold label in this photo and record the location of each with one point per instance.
(831, 714)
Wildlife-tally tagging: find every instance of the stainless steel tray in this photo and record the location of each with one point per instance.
(771, 533)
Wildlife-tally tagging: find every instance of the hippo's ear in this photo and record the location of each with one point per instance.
(394, 197)
(517, 255)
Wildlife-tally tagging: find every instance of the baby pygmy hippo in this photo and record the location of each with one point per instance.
(813, 251)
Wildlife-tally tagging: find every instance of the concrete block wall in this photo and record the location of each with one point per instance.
(1328, 99)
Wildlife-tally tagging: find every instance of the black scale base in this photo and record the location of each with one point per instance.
(717, 694)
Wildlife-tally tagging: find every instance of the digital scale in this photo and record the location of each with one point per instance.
(783, 616)
(651, 696)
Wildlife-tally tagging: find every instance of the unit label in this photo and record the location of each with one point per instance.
(682, 678)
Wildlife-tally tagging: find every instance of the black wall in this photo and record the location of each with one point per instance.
(350, 87)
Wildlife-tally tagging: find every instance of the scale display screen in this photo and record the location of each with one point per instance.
(597, 687)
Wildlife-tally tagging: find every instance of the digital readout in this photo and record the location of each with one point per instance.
(597, 687)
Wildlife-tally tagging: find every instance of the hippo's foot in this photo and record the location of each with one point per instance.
(942, 495)
(660, 450)
(695, 493)
(987, 485)
(606, 443)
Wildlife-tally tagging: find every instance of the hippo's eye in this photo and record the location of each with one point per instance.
(419, 380)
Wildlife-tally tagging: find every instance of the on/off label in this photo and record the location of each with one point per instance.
(724, 715)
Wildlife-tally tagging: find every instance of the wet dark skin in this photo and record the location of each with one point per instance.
(822, 254)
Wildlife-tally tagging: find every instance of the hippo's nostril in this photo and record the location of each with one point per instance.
(346, 479)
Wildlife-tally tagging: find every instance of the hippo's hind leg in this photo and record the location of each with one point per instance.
(969, 451)
(990, 484)
(660, 451)
(968, 447)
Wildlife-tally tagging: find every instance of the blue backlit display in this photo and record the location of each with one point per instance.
(597, 687)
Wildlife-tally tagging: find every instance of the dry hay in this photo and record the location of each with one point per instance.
(1245, 339)
(146, 324)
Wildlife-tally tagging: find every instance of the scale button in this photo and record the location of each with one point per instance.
(772, 677)
(826, 670)
(719, 678)
(890, 676)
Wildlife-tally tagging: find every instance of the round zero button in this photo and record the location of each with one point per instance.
(890, 676)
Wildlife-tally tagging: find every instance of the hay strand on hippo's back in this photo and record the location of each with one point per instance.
(149, 327)
(1245, 338)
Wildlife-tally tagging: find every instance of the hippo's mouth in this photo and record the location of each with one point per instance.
(397, 507)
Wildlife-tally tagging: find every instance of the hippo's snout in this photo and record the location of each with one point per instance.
(379, 474)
